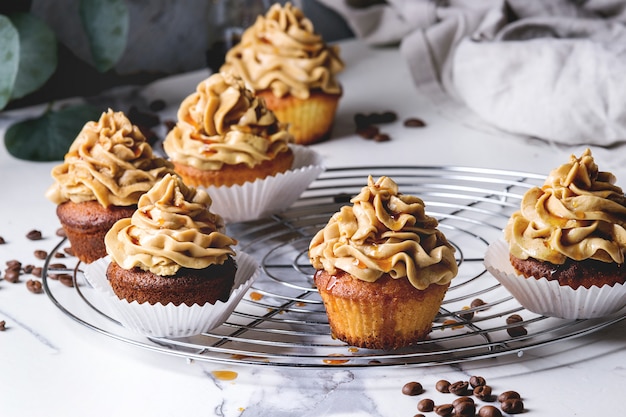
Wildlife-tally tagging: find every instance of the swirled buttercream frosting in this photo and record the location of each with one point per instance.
(385, 232)
(578, 213)
(172, 228)
(282, 52)
(109, 161)
(222, 122)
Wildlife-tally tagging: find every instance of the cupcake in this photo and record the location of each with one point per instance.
(565, 246)
(226, 136)
(382, 268)
(227, 141)
(108, 167)
(171, 268)
(284, 61)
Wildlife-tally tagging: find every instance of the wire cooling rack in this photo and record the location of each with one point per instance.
(281, 321)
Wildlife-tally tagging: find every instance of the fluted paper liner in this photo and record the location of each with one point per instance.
(263, 197)
(160, 320)
(548, 298)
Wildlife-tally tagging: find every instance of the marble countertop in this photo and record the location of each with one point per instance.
(53, 366)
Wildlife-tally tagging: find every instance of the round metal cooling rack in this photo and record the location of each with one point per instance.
(281, 321)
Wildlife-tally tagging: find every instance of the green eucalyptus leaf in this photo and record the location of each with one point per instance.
(49, 136)
(106, 23)
(9, 59)
(38, 54)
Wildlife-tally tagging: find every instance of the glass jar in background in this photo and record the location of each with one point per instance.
(227, 21)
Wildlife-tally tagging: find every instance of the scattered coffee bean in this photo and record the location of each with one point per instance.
(3, 325)
(14, 264)
(57, 266)
(444, 410)
(477, 381)
(37, 271)
(34, 235)
(342, 198)
(59, 255)
(459, 388)
(412, 388)
(28, 269)
(367, 132)
(517, 331)
(514, 318)
(361, 120)
(419, 415)
(41, 254)
(61, 232)
(489, 411)
(12, 275)
(382, 137)
(483, 392)
(66, 279)
(512, 406)
(442, 386)
(34, 286)
(69, 251)
(2, 241)
(157, 105)
(465, 409)
(169, 124)
(468, 315)
(414, 122)
(426, 405)
(477, 302)
(508, 395)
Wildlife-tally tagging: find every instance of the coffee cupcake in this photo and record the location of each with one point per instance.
(108, 167)
(563, 251)
(284, 61)
(382, 268)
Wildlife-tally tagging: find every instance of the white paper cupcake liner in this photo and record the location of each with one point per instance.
(254, 200)
(172, 321)
(548, 298)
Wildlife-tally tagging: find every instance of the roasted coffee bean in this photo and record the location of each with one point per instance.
(37, 271)
(41, 254)
(489, 411)
(2, 241)
(512, 406)
(412, 388)
(508, 395)
(361, 120)
(34, 286)
(157, 105)
(442, 386)
(28, 268)
(57, 266)
(462, 399)
(517, 331)
(477, 302)
(367, 132)
(444, 410)
(2, 325)
(34, 235)
(12, 275)
(66, 279)
(426, 405)
(477, 381)
(382, 137)
(61, 232)
(465, 409)
(468, 315)
(69, 251)
(385, 117)
(59, 255)
(483, 392)
(14, 264)
(414, 122)
(459, 388)
(514, 318)
(419, 415)
(169, 124)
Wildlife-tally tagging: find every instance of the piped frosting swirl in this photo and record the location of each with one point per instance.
(222, 122)
(283, 53)
(172, 228)
(578, 213)
(109, 161)
(385, 232)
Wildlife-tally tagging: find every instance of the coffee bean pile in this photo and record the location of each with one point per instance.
(465, 405)
(367, 124)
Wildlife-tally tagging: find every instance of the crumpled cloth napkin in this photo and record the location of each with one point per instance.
(549, 69)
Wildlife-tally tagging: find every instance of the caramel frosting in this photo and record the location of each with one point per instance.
(109, 161)
(385, 232)
(578, 213)
(282, 52)
(172, 228)
(222, 122)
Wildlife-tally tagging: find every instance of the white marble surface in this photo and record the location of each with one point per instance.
(55, 367)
